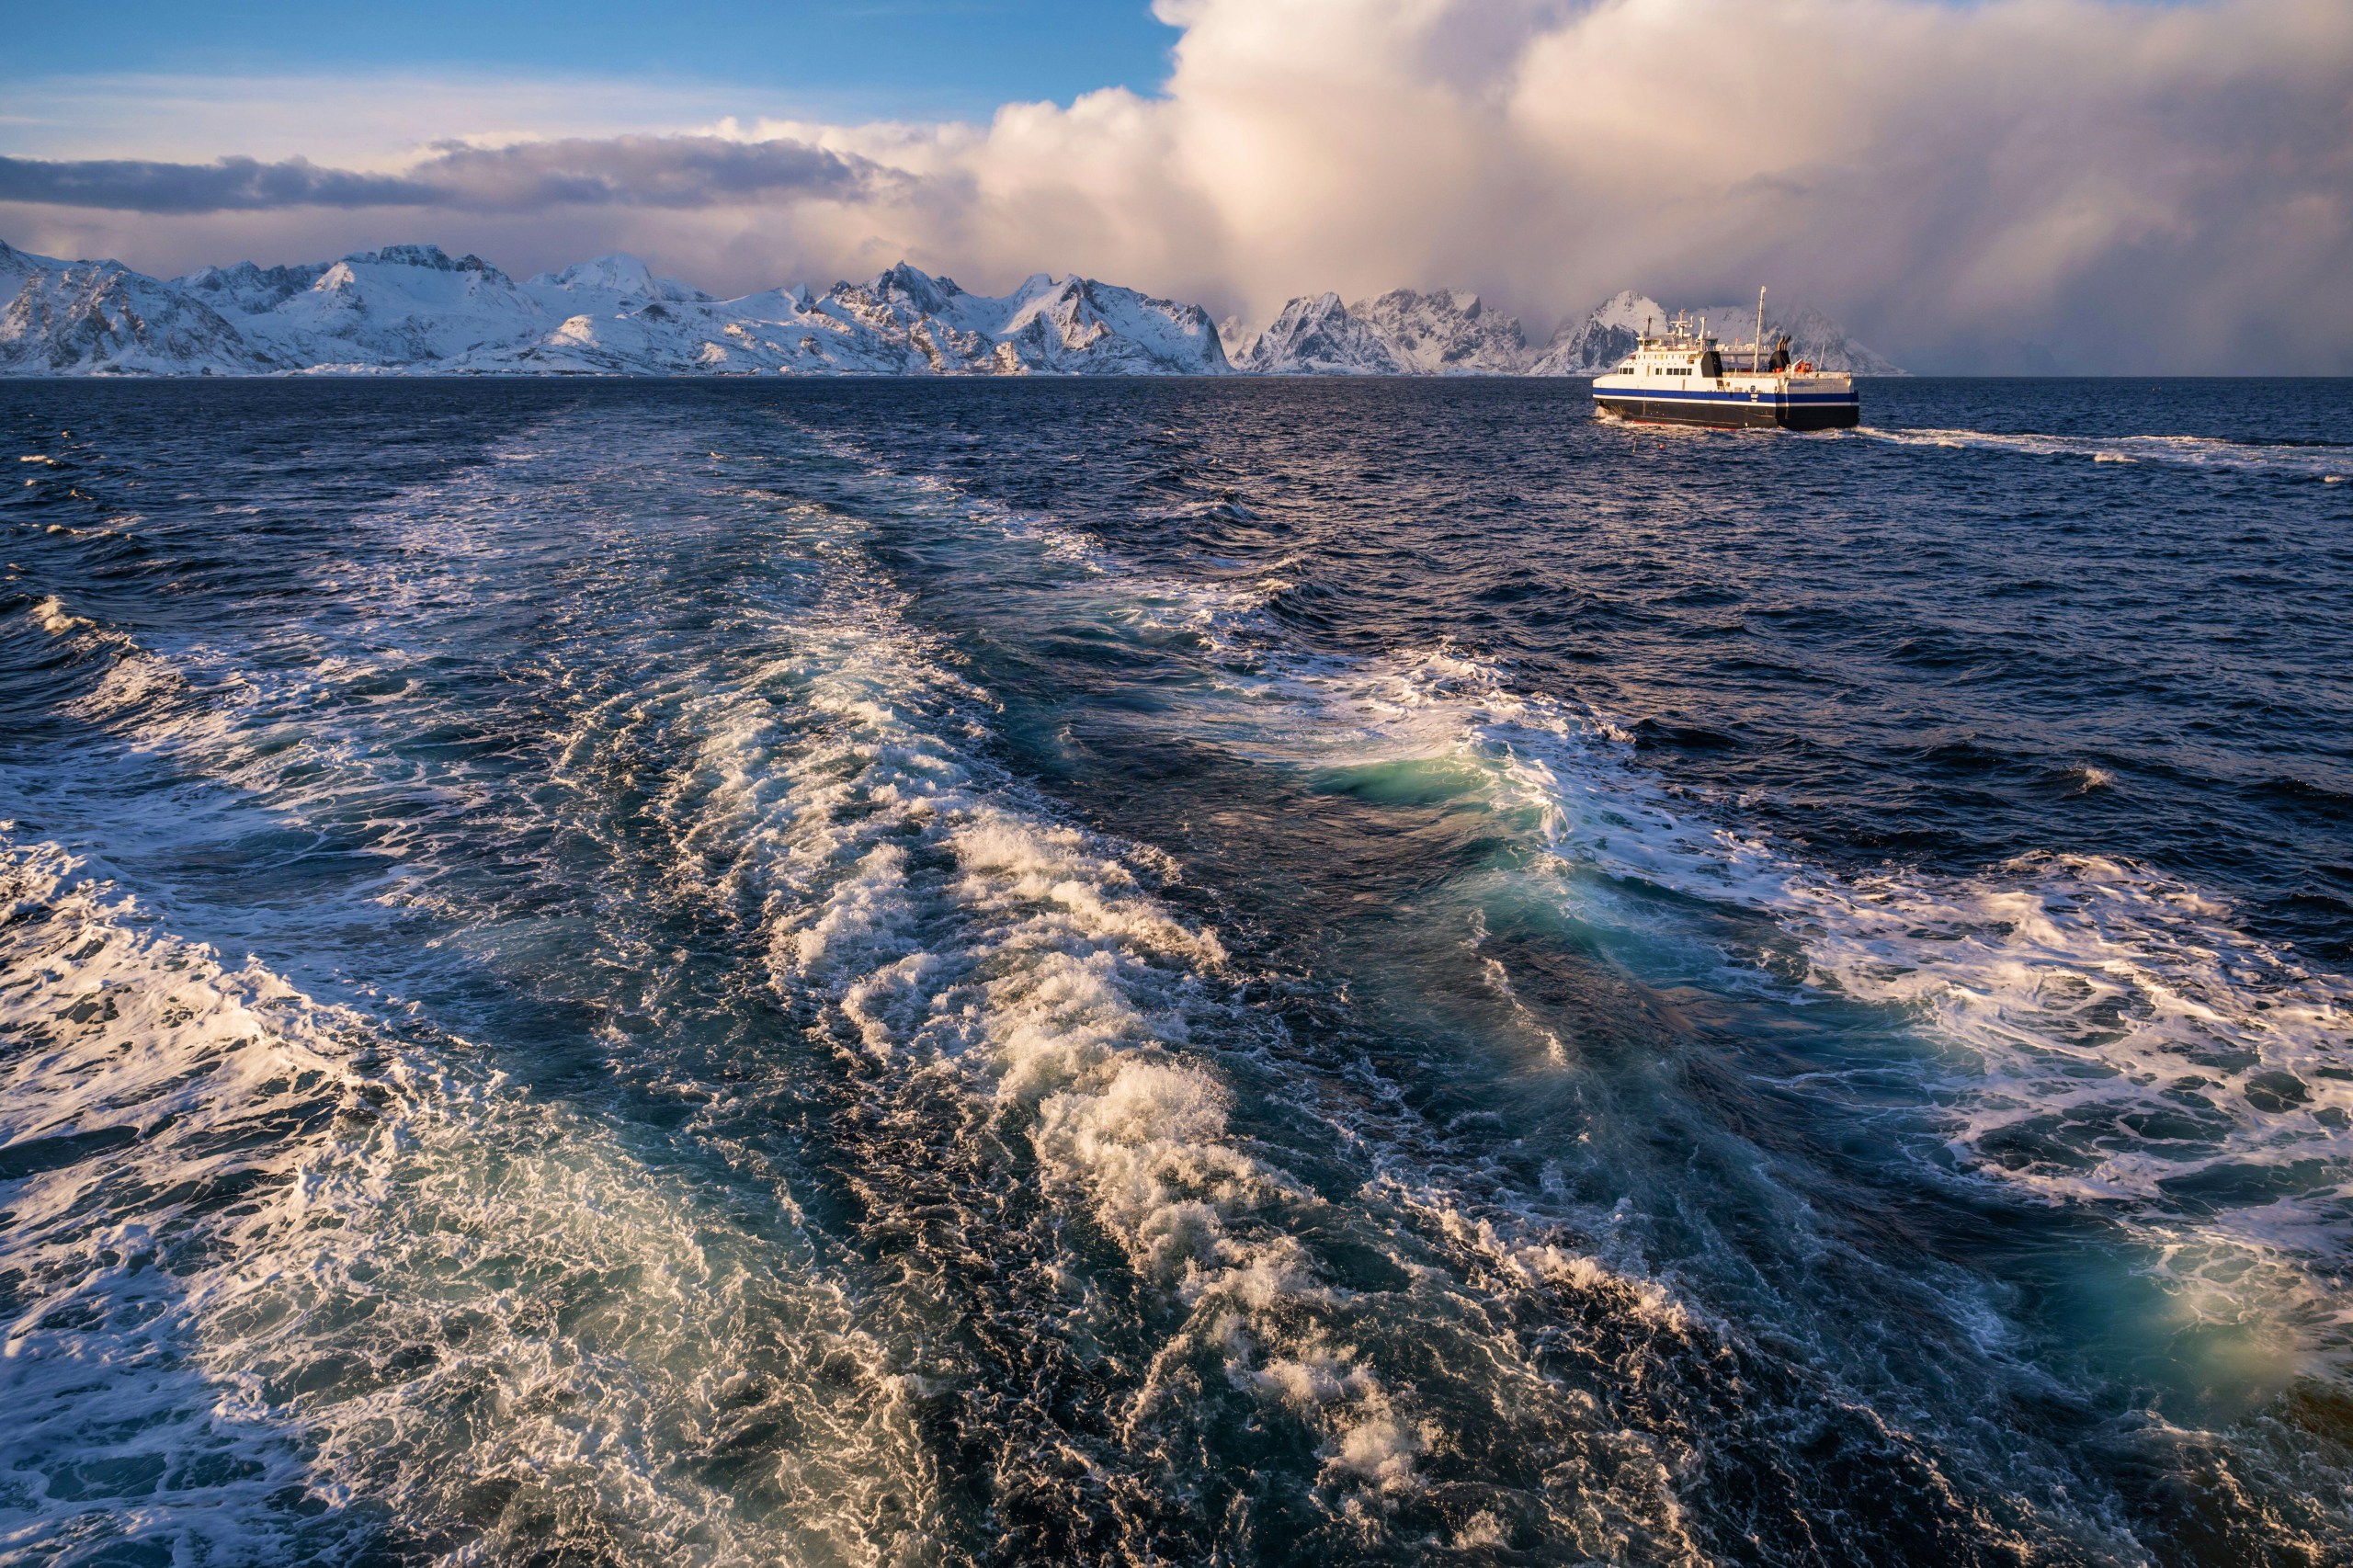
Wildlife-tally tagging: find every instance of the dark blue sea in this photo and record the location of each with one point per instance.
(1135, 972)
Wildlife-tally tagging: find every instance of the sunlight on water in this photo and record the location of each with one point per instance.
(698, 979)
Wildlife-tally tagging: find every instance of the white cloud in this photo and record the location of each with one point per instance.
(2137, 186)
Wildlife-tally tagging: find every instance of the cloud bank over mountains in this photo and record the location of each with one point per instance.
(2102, 184)
(532, 176)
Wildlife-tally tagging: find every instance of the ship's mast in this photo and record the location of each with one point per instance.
(1757, 350)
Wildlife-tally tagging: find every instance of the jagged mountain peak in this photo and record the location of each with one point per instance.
(1463, 302)
(915, 287)
(20, 262)
(1403, 332)
(1629, 311)
(101, 318)
(428, 256)
(415, 308)
(249, 288)
(1315, 336)
(617, 272)
(1446, 332)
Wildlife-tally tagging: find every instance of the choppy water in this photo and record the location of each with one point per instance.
(913, 974)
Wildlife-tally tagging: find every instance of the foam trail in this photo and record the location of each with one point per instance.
(344, 1287)
(2329, 464)
(2108, 1035)
(947, 923)
(2100, 1034)
(1082, 1238)
(944, 920)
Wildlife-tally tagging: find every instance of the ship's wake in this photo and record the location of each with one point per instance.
(2328, 461)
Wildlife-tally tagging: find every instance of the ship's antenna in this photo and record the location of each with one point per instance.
(1757, 350)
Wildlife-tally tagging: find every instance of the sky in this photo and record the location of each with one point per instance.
(2137, 186)
(857, 58)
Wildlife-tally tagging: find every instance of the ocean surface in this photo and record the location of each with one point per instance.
(1173, 971)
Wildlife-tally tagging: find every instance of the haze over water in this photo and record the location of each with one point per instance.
(866, 972)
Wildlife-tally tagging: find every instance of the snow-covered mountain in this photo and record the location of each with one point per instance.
(415, 308)
(403, 305)
(1318, 337)
(1450, 334)
(619, 273)
(99, 317)
(1812, 335)
(1400, 333)
(1239, 338)
(1605, 334)
(247, 290)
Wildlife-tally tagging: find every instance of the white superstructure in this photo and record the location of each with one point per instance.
(1682, 375)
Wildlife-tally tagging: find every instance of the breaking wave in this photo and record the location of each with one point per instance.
(2097, 1033)
(730, 1111)
(948, 931)
(350, 1286)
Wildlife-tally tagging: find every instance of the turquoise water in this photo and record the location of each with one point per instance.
(884, 972)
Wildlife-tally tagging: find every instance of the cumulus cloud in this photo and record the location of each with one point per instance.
(2128, 185)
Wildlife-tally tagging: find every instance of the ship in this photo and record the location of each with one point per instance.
(1681, 375)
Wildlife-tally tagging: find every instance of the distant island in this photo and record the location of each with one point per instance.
(415, 310)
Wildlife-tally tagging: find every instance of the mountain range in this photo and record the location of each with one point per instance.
(416, 309)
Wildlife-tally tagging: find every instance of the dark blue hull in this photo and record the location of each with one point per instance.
(1735, 413)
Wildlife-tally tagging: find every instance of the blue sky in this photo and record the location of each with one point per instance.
(917, 59)
(2109, 183)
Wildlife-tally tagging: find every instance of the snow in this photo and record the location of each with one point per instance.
(416, 309)
(101, 318)
(1605, 334)
(247, 290)
(1400, 333)
(1813, 336)
(413, 309)
(1238, 338)
(1446, 334)
(1319, 338)
(1604, 337)
(617, 274)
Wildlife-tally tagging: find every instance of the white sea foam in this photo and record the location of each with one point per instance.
(51, 615)
(382, 1278)
(890, 902)
(2109, 1034)
(2190, 452)
(945, 918)
(1126, 599)
(425, 1301)
(130, 679)
(942, 921)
